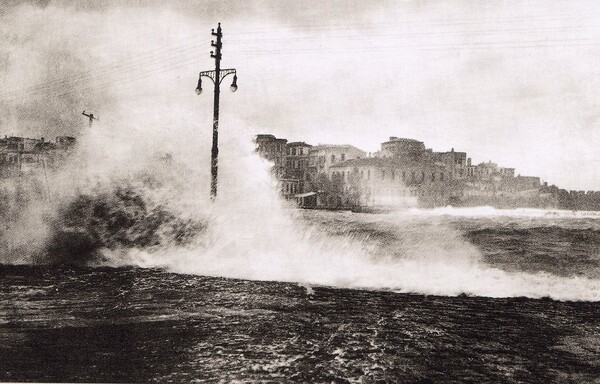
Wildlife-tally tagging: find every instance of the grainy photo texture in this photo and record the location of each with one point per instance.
(334, 191)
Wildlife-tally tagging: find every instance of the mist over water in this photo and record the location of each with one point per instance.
(122, 201)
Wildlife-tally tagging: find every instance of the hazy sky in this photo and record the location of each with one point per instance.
(515, 82)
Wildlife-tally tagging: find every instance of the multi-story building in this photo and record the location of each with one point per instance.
(403, 173)
(456, 162)
(321, 158)
(273, 149)
(324, 156)
(490, 180)
(391, 182)
(296, 160)
(296, 169)
(405, 149)
(20, 155)
(489, 171)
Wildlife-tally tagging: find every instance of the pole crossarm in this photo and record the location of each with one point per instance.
(222, 74)
(216, 76)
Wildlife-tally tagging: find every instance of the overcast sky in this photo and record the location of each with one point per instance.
(513, 82)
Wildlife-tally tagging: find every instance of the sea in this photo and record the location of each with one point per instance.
(447, 295)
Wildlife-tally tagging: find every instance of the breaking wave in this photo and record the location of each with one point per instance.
(136, 193)
(158, 214)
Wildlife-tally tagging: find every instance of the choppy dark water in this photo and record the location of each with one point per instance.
(135, 325)
(529, 241)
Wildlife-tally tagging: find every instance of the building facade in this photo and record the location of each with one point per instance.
(274, 150)
(22, 156)
(403, 173)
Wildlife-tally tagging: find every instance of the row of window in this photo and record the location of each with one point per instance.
(296, 163)
(298, 151)
(413, 176)
(333, 158)
(405, 176)
(290, 188)
(301, 151)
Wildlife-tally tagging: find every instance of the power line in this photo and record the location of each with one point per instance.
(164, 55)
(439, 22)
(446, 45)
(181, 62)
(109, 84)
(416, 35)
(104, 71)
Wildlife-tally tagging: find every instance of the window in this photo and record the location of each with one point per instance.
(422, 176)
(441, 176)
(343, 157)
(299, 151)
(368, 174)
(393, 175)
(412, 176)
(293, 151)
(403, 175)
(332, 159)
(432, 176)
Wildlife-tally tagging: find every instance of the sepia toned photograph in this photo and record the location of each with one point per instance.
(268, 191)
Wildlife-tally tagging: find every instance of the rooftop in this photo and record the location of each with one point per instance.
(329, 146)
(378, 162)
(298, 144)
(394, 139)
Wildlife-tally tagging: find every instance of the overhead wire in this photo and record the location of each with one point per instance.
(107, 70)
(175, 56)
(440, 22)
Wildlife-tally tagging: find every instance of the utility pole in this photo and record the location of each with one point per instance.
(91, 117)
(216, 76)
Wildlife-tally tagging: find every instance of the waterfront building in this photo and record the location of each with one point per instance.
(297, 159)
(296, 169)
(404, 149)
(403, 173)
(23, 156)
(456, 162)
(489, 170)
(289, 187)
(321, 158)
(324, 156)
(274, 150)
(391, 182)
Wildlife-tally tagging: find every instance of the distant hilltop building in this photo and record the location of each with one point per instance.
(403, 173)
(22, 155)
